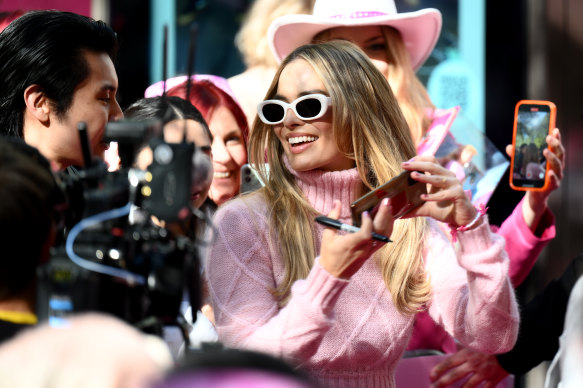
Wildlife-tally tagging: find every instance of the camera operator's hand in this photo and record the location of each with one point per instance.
(343, 254)
(445, 200)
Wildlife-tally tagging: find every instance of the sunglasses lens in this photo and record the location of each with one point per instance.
(273, 112)
(309, 108)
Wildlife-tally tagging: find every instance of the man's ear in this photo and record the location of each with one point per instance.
(37, 103)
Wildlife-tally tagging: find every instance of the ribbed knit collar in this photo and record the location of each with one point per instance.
(323, 187)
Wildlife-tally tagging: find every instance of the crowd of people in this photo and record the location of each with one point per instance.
(333, 110)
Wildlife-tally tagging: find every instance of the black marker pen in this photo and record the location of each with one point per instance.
(332, 223)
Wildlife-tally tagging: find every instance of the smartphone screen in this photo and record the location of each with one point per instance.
(533, 122)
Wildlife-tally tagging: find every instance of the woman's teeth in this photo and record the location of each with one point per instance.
(301, 139)
(222, 174)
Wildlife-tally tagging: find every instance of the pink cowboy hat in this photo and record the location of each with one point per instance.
(419, 29)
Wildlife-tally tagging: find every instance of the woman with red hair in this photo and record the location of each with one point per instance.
(228, 125)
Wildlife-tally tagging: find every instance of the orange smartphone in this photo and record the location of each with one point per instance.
(533, 121)
(404, 192)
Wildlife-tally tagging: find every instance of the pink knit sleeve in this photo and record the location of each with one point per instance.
(242, 267)
(473, 298)
(522, 245)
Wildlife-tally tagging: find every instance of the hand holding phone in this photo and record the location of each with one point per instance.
(404, 192)
(533, 121)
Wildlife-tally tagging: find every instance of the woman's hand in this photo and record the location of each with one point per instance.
(478, 368)
(445, 200)
(342, 254)
(535, 203)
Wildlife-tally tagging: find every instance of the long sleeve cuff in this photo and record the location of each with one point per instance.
(477, 239)
(522, 245)
(546, 226)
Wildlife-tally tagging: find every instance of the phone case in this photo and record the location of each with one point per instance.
(524, 170)
(404, 192)
(250, 180)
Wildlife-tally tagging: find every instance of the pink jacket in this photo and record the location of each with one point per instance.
(348, 333)
(522, 245)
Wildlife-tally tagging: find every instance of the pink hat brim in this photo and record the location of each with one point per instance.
(420, 31)
(156, 89)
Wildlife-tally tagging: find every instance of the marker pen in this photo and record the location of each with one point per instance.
(332, 223)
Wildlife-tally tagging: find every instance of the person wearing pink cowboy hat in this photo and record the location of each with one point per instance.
(398, 44)
(339, 306)
(419, 30)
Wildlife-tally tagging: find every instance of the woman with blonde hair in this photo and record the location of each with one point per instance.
(342, 306)
(398, 43)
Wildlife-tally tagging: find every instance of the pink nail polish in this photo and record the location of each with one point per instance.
(408, 161)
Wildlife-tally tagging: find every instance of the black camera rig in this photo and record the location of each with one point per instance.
(110, 256)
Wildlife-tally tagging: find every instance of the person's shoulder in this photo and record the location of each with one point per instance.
(242, 207)
(245, 219)
(242, 201)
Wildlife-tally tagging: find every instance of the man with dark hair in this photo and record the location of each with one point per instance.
(27, 196)
(56, 70)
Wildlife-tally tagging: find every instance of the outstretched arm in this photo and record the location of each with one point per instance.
(536, 202)
(474, 303)
(530, 227)
(542, 321)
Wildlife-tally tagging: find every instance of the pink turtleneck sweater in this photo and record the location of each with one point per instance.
(348, 333)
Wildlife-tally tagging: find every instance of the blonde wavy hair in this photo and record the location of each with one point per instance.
(412, 96)
(252, 40)
(369, 128)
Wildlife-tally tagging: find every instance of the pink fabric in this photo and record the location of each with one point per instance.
(442, 121)
(225, 377)
(522, 245)
(348, 333)
(428, 335)
(359, 15)
(81, 7)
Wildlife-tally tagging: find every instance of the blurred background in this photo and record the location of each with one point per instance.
(490, 55)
